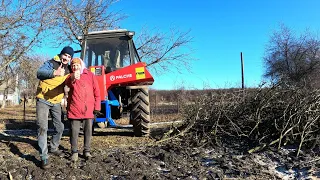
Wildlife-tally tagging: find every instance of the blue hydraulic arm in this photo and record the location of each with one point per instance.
(112, 101)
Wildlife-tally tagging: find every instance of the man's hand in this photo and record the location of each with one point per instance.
(59, 72)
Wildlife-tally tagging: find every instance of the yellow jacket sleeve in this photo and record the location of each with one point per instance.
(52, 89)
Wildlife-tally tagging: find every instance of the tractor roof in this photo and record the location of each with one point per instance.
(108, 33)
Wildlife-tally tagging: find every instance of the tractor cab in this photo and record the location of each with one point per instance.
(112, 49)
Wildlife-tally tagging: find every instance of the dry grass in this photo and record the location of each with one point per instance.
(154, 118)
(18, 113)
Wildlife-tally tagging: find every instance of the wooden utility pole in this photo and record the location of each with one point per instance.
(242, 72)
(24, 106)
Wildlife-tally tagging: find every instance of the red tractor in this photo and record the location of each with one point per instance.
(123, 79)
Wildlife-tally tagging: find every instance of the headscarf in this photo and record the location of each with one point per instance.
(78, 61)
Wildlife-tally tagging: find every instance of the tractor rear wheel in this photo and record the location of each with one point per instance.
(140, 111)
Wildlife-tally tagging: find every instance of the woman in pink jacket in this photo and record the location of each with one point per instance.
(83, 100)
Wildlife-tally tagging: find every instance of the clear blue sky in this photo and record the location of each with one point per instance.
(221, 29)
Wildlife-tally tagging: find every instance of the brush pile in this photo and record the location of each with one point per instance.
(254, 119)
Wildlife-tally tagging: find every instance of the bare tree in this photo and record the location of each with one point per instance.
(27, 69)
(22, 22)
(292, 60)
(20, 77)
(78, 18)
(162, 51)
(8, 80)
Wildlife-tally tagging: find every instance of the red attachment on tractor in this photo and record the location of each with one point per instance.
(133, 75)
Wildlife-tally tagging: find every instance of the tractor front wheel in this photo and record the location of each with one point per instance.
(140, 112)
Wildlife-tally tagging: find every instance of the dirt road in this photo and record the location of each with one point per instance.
(119, 155)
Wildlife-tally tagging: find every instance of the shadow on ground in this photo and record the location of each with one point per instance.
(12, 141)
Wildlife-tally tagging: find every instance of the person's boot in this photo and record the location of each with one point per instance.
(45, 164)
(87, 155)
(57, 152)
(74, 157)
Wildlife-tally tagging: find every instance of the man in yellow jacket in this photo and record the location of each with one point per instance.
(52, 75)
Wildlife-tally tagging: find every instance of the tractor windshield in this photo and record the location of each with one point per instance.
(112, 52)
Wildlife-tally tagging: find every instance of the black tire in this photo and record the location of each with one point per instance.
(140, 112)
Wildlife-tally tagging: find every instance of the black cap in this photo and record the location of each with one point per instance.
(67, 50)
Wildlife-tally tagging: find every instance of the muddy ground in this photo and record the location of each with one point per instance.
(120, 155)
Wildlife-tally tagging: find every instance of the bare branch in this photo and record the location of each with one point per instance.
(165, 51)
(78, 18)
(21, 27)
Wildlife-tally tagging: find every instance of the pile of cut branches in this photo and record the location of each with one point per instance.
(259, 118)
